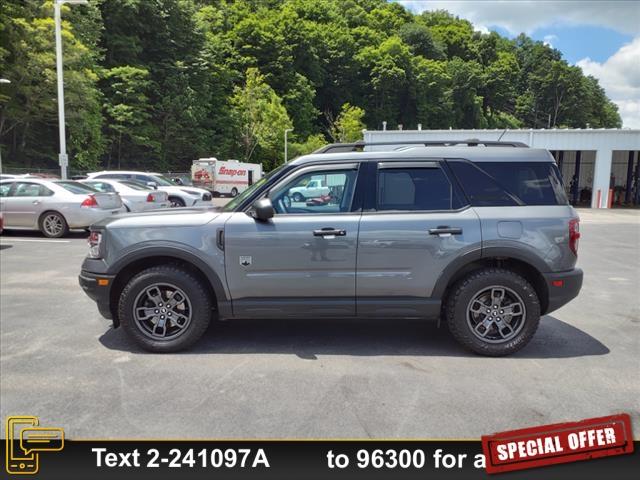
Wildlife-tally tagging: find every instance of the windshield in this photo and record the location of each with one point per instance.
(134, 185)
(76, 187)
(231, 206)
(163, 181)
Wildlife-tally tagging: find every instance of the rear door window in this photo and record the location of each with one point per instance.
(422, 187)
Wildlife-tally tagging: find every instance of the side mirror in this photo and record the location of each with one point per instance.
(263, 209)
(153, 185)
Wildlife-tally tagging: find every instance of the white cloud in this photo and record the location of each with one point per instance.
(549, 39)
(619, 75)
(529, 15)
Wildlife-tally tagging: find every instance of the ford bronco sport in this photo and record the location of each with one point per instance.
(478, 234)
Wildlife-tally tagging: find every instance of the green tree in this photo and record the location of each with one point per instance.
(349, 124)
(128, 112)
(260, 119)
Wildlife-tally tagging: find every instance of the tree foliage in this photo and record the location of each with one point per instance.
(154, 84)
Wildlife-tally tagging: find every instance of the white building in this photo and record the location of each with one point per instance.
(600, 167)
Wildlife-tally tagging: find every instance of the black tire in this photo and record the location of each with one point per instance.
(460, 319)
(48, 220)
(297, 197)
(176, 202)
(234, 192)
(200, 305)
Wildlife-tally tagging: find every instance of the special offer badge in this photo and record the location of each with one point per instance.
(558, 443)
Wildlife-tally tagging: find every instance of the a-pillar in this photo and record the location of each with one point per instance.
(601, 178)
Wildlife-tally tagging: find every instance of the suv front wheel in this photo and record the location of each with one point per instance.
(165, 309)
(493, 311)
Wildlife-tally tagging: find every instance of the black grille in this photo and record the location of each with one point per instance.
(206, 197)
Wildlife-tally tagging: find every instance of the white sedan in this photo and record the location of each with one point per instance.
(54, 206)
(178, 196)
(136, 197)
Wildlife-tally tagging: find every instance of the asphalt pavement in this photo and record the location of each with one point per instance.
(313, 378)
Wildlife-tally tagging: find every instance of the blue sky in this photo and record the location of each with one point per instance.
(600, 36)
(578, 41)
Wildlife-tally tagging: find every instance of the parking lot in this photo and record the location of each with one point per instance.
(61, 361)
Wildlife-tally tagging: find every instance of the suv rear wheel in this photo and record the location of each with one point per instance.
(165, 309)
(493, 312)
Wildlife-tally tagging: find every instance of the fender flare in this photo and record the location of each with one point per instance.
(486, 252)
(181, 252)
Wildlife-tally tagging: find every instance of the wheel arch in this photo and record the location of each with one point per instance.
(136, 262)
(527, 266)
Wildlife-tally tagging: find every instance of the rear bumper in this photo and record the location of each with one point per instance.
(97, 292)
(562, 287)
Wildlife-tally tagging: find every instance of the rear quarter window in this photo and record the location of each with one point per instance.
(510, 183)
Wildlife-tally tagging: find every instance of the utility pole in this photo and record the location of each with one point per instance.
(286, 131)
(2, 80)
(63, 158)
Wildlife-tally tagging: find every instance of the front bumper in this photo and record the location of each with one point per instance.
(98, 288)
(562, 287)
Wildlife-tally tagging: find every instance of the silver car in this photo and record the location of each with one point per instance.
(135, 197)
(54, 206)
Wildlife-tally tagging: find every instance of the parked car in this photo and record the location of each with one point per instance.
(9, 176)
(54, 206)
(135, 196)
(483, 237)
(315, 188)
(178, 196)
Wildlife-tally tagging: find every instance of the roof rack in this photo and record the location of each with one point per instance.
(359, 145)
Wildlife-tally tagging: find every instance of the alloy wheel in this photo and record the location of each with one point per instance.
(53, 225)
(162, 311)
(496, 314)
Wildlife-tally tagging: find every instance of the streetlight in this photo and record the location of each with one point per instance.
(63, 158)
(2, 80)
(286, 131)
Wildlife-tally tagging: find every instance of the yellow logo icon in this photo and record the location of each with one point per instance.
(25, 440)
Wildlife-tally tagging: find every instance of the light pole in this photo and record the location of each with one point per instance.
(2, 80)
(63, 158)
(286, 131)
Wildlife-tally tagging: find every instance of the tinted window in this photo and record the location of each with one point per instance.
(533, 183)
(482, 190)
(414, 189)
(114, 176)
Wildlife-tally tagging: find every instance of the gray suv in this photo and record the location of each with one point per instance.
(478, 235)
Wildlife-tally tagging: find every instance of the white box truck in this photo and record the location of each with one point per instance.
(224, 177)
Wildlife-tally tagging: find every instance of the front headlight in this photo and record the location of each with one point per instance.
(95, 239)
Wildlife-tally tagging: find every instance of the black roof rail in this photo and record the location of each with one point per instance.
(472, 142)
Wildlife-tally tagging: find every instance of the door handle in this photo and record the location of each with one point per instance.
(329, 232)
(445, 230)
(36, 202)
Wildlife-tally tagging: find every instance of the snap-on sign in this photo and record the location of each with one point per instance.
(231, 172)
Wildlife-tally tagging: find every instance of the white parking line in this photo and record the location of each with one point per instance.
(5, 240)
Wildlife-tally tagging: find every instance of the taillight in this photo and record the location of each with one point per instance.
(150, 198)
(574, 234)
(94, 244)
(89, 202)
